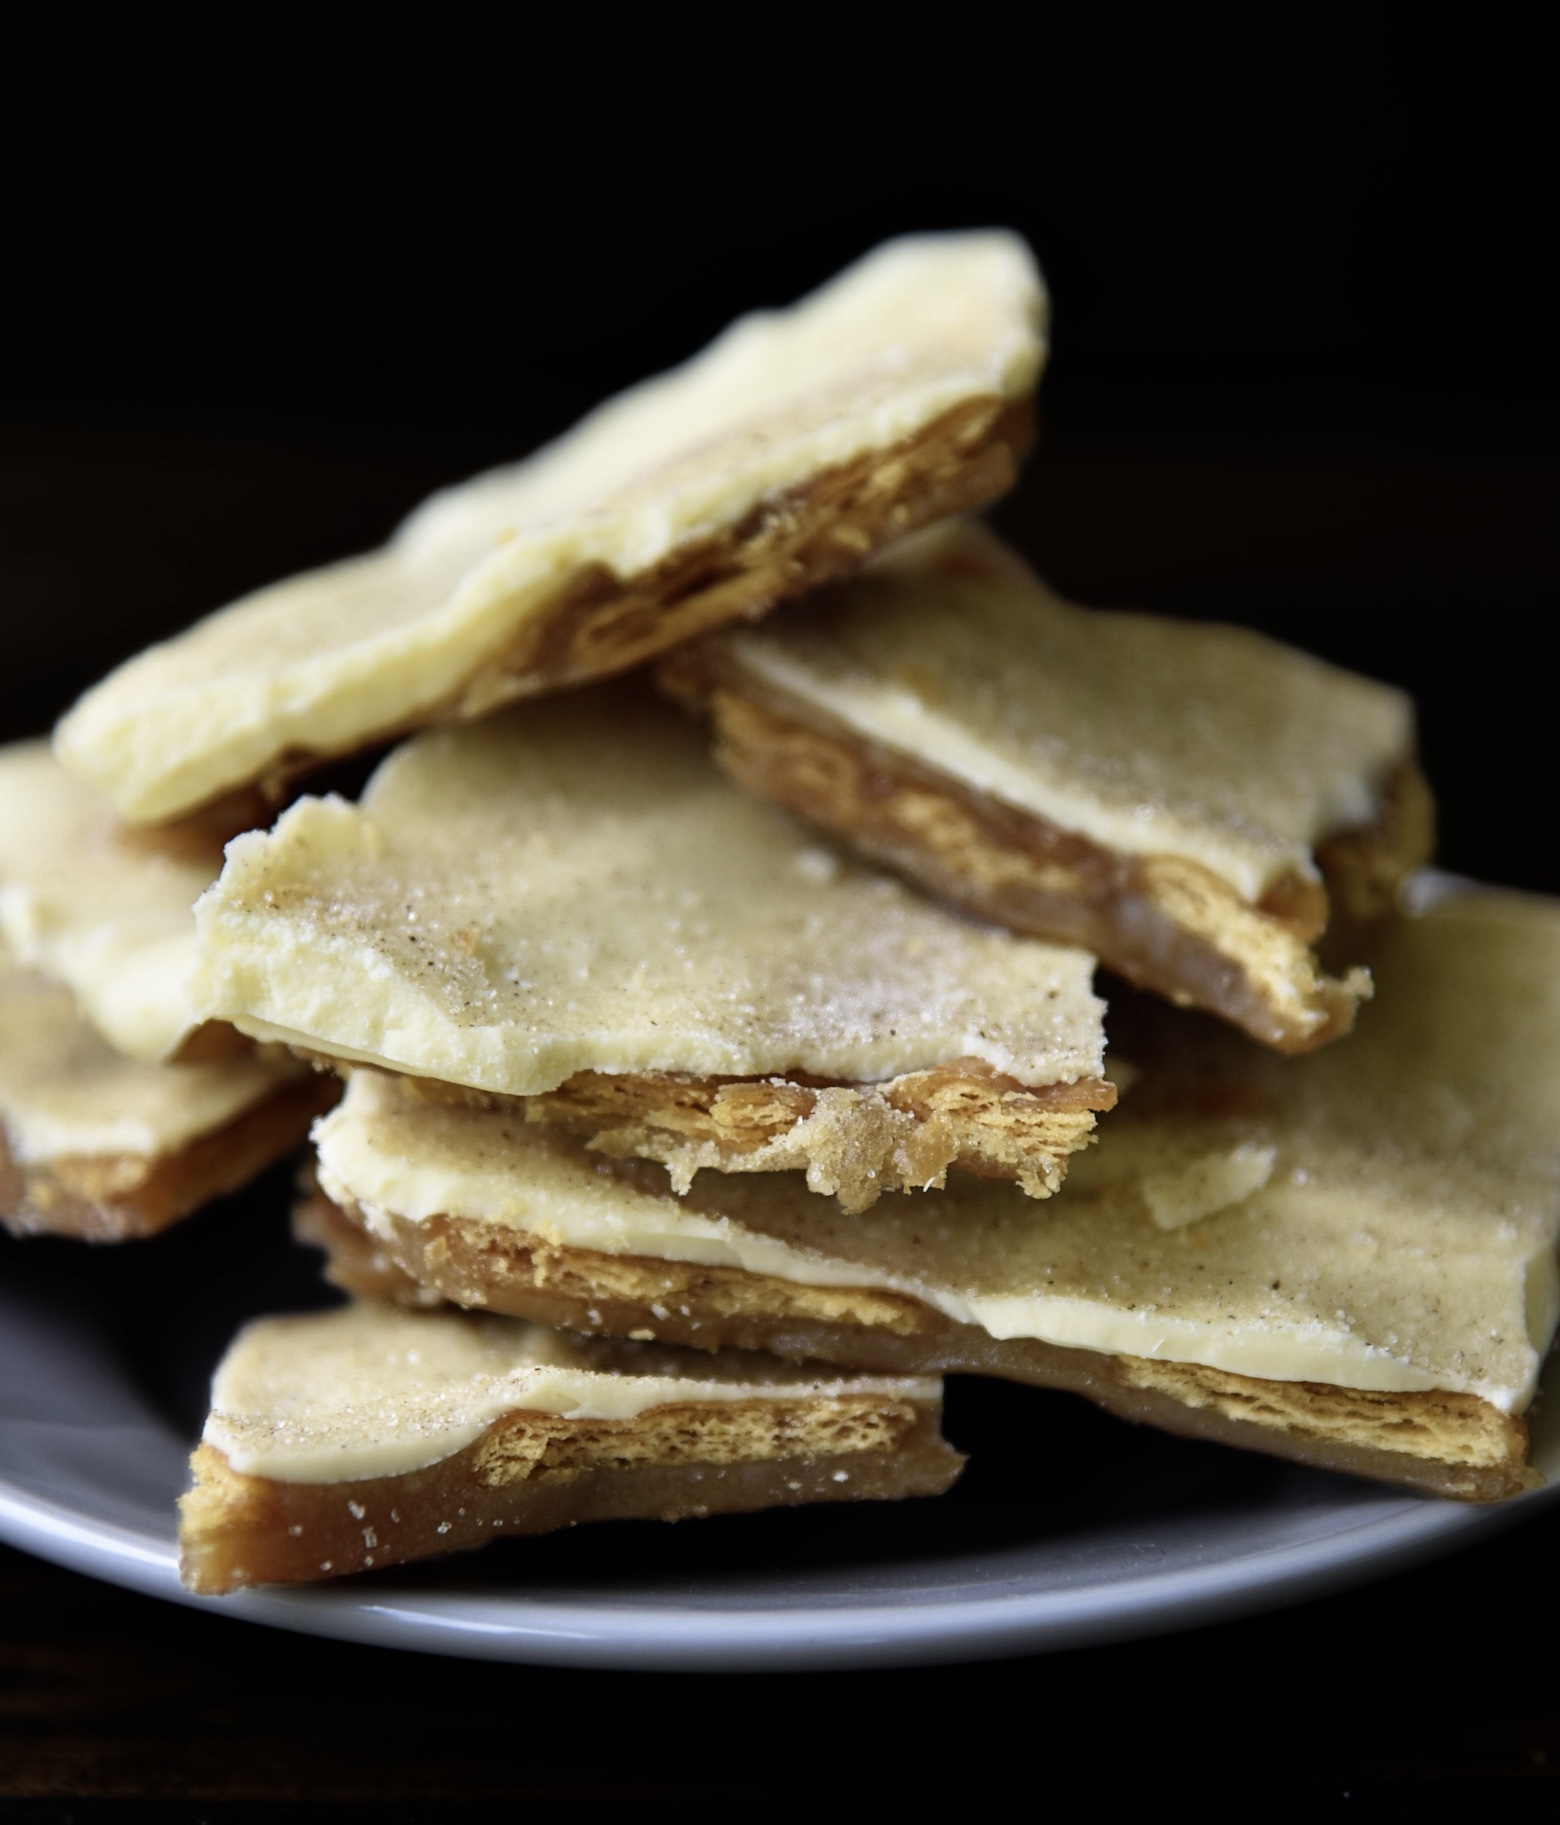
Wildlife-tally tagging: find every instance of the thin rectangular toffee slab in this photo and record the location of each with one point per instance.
(105, 1148)
(567, 909)
(798, 443)
(1347, 1259)
(351, 1440)
(1205, 809)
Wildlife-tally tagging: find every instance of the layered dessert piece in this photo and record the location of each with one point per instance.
(1197, 804)
(104, 908)
(796, 444)
(1347, 1259)
(360, 1438)
(103, 1147)
(568, 912)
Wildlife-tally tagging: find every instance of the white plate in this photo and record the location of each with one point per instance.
(1070, 1528)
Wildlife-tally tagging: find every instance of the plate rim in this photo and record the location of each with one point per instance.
(807, 1636)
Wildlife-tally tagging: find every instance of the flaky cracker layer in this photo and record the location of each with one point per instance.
(1438, 1442)
(1165, 922)
(1348, 1253)
(351, 1439)
(794, 446)
(569, 905)
(532, 1473)
(853, 1141)
(1175, 918)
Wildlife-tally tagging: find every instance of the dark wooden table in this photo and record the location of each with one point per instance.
(1418, 541)
(1443, 1674)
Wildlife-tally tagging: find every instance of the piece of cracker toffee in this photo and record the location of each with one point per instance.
(797, 443)
(103, 908)
(1194, 803)
(568, 907)
(1347, 1259)
(365, 1437)
(104, 1148)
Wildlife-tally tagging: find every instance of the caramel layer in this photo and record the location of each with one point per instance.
(1437, 1441)
(117, 1197)
(569, 904)
(794, 446)
(789, 543)
(1165, 922)
(601, 624)
(240, 1530)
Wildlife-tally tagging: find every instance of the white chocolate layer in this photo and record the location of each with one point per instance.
(337, 657)
(367, 1391)
(1379, 1215)
(1146, 735)
(66, 1094)
(96, 906)
(573, 886)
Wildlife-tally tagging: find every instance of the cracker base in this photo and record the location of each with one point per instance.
(533, 1473)
(854, 1141)
(599, 624)
(1163, 922)
(1439, 1442)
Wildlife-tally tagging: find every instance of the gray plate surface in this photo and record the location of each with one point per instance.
(93, 1453)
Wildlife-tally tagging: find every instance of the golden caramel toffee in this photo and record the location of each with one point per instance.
(348, 1440)
(102, 1147)
(1349, 1259)
(796, 444)
(1192, 802)
(567, 907)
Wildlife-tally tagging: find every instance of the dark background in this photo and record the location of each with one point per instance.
(271, 275)
(469, 219)
(274, 274)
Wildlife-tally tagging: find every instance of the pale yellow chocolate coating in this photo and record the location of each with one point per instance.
(572, 886)
(1146, 735)
(1382, 1215)
(92, 905)
(370, 1391)
(337, 657)
(65, 1094)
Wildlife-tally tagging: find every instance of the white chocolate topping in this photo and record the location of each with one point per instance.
(66, 1094)
(336, 657)
(96, 906)
(1144, 734)
(573, 886)
(1381, 1215)
(368, 1391)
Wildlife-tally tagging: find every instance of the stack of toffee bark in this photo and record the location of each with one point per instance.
(707, 978)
